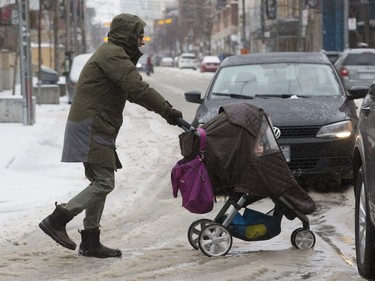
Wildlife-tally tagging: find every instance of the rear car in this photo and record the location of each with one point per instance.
(209, 64)
(364, 177)
(356, 67)
(188, 60)
(78, 63)
(314, 118)
(167, 61)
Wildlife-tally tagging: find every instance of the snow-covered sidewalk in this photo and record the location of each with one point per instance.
(33, 178)
(141, 217)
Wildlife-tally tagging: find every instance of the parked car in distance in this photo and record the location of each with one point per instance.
(314, 118)
(210, 64)
(78, 63)
(167, 61)
(188, 60)
(48, 75)
(364, 177)
(356, 67)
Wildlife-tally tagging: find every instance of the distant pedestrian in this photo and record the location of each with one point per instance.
(149, 65)
(107, 81)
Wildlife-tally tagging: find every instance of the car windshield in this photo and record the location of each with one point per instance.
(192, 56)
(284, 80)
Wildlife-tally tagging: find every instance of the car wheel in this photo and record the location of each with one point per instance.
(364, 231)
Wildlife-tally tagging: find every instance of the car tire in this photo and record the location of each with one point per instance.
(364, 231)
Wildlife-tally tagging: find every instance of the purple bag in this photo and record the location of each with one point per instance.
(193, 181)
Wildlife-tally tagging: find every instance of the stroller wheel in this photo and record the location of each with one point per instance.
(293, 236)
(195, 230)
(215, 240)
(303, 238)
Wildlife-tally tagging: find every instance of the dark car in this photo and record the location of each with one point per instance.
(364, 176)
(356, 67)
(314, 118)
(48, 75)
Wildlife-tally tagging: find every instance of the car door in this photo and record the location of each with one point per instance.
(367, 127)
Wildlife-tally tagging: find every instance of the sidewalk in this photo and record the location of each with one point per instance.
(33, 177)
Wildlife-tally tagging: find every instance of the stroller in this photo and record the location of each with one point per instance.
(245, 164)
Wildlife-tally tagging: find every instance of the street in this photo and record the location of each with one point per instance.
(141, 216)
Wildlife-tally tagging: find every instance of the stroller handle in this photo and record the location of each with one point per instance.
(184, 125)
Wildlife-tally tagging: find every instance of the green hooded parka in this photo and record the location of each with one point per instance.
(107, 81)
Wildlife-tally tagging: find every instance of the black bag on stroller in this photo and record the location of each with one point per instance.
(245, 163)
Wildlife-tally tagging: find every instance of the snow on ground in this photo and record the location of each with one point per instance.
(141, 217)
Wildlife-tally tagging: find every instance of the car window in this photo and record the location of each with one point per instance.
(188, 56)
(142, 59)
(360, 59)
(282, 79)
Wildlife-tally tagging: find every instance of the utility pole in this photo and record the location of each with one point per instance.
(346, 20)
(365, 9)
(56, 29)
(301, 27)
(41, 4)
(25, 61)
(40, 15)
(75, 27)
(244, 25)
(83, 26)
(263, 23)
(67, 25)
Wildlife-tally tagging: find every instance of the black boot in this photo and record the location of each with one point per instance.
(91, 246)
(54, 226)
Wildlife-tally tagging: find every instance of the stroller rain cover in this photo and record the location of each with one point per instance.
(242, 156)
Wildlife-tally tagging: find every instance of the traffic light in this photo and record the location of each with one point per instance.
(165, 21)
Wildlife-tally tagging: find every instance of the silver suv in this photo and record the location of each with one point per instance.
(356, 67)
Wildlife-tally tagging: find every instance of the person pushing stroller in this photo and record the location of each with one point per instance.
(107, 81)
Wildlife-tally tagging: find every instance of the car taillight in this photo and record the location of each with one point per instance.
(344, 72)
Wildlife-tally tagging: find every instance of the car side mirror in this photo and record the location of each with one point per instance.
(193, 96)
(358, 92)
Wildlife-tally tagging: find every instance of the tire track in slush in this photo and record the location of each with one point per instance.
(325, 231)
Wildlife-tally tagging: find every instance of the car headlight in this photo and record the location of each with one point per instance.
(338, 130)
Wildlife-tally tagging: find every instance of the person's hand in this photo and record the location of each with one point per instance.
(173, 116)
